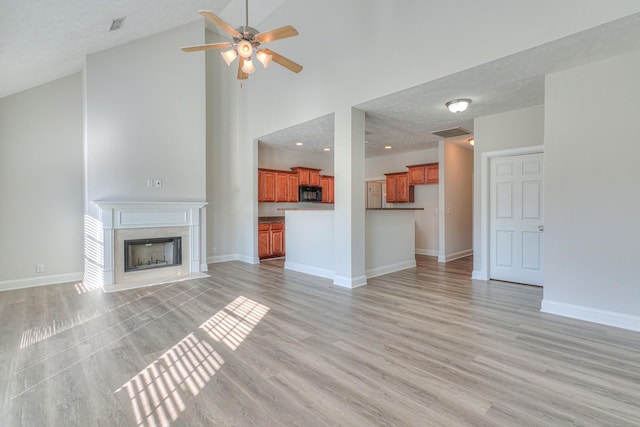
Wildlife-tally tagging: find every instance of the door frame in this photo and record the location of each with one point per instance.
(485, 183)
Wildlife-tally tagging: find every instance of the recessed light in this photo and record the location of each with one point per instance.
(299, 143)
(472, 142)
(327, 149)
(387, 147)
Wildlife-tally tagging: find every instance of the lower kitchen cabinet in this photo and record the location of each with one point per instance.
(271, 240)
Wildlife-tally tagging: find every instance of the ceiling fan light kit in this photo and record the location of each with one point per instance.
(458, 105)
(246, 41)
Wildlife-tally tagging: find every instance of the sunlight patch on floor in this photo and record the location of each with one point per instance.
(156, 393)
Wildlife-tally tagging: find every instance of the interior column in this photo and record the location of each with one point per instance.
(349, 237)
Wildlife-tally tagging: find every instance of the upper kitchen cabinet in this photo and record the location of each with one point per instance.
(327, 185)
(277, 186)
(266, 185)
(307, 176)
(398, 188)
(423, 174)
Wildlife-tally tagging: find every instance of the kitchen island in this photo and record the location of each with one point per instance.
(389, 241)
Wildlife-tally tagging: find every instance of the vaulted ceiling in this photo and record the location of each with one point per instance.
(42, 41)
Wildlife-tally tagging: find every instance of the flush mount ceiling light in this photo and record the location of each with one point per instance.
(387, 147)
(246, 42)
(458, 105)
(299, 143)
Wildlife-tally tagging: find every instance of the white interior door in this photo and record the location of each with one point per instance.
(516, 219)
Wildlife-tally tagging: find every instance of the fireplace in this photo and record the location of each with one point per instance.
(145, 254)
(164, 243)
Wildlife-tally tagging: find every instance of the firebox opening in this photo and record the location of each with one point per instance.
(144, 254)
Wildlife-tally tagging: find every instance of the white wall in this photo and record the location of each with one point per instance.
(271, 157)
(41, 184)
(425, 196)
(591, 192)
(145, 105)
(506, 131)
(276, 99)
(458, 201)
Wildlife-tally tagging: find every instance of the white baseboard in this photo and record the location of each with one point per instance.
(428, 252)
(386, 269)
(595, 315)
(31, 282)
(455, 255)
(308, 269)
(348, 282)
(204, 267)
(221, 258)
(479, 275)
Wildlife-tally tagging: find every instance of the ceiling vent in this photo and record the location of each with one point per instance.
(117, 23)
(450, 133)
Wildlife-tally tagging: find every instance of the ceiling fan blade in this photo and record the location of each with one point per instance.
(220, 23)
(285, 62)
(207, 47)
(277, 34)
(241, 74)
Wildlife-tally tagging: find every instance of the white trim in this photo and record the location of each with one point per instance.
(428, 252)
(485, 158)
(222, 258)
(479, 275)
(308, 269)
(595, 315)
(386, 269)
(248, 259)
(349, 282)
(456, 255)
(204, 268)
(30, 282)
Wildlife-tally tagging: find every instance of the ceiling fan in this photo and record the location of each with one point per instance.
(246, 41)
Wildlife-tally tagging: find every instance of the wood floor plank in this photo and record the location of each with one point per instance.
(259, 345)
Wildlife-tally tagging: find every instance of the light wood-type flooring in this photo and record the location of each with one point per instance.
(256, 345)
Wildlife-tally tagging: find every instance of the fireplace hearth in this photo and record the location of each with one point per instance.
(145, 254)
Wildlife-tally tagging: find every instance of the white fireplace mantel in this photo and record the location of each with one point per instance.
(116, 215)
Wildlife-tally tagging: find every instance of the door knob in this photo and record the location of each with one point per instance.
(541, 228)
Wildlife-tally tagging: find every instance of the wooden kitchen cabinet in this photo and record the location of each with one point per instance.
(307, 176)
(293, 187)
(277, 186)
(266, 185)
(271, 240)
(423, 174)
(327, 184)
(398, 188)
(264, 243)
(277, 240)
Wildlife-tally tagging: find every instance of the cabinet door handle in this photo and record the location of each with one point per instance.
(541, 228)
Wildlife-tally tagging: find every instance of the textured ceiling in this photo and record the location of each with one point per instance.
(43, 41)
(406, 119)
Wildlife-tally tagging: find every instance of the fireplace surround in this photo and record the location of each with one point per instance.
(139, 221)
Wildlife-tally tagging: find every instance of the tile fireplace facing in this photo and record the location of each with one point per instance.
(146, 243)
